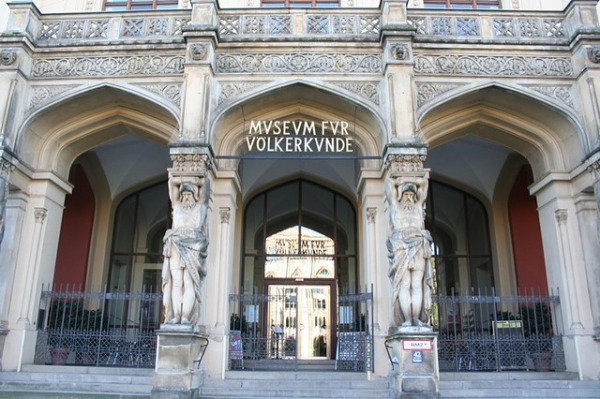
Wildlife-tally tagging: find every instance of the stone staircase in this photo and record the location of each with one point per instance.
(71, 382)
(295, 384)
(510, 385)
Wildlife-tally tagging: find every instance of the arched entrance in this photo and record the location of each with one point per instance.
(299, 252)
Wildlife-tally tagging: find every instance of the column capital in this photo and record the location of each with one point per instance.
(399, 159)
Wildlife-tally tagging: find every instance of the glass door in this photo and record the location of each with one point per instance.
(300, 321)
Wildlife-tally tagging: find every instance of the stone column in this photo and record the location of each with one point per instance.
(183, 337)
(4, 172)
(411, 343)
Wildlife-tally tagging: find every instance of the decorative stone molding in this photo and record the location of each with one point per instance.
(232, 90)
(40, 215)
(561, 216)
(426, 92)
(400, 163)
(198, 51)
(561, 94)
(108, 66)
(371, 215)
(593, 54)
(476, 65)
(5, 169)
(368, 90)
(42, 94)
(594, 169)
(299, 63)
(197, 164)
(169, 91)
(503, 28)
(225, 214)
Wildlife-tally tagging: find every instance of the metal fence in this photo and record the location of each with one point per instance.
(98, 328)
(256, 343)
(486, 332)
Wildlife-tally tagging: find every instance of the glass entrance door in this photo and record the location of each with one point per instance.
(300, 321)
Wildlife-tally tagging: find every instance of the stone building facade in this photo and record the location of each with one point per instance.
(299, 117)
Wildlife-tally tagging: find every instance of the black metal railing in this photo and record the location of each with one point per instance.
(481, 331)
(254, 343)
(98, 328)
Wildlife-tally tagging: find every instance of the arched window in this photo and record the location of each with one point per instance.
(462, 256)
(299, 230)
(140, 224)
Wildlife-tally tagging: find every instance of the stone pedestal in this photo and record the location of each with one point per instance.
(177, 374)
(415, 367)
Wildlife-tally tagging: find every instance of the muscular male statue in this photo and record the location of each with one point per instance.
(185, 249)
(409, 251)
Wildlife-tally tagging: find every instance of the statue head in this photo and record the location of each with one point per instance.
(188, 193)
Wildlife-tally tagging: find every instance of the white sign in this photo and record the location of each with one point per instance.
(299, 136)
(417, 345)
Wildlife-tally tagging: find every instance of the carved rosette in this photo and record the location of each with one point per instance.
(8, 57)
(198, 51)
(561, 216)
(403, 163)
(190, 164)
(593, 54)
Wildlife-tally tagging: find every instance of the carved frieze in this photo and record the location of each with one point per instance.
(477, 65)
(299, 63)
(428, 91)
(108, 66)
(503, 27)
(399, 163)
(197, 164)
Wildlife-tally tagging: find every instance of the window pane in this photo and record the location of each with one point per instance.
(282, 207)
(478, 232)
(124, 226)
(450, 220)
(317, 208)
(346, 227)
(254, 233)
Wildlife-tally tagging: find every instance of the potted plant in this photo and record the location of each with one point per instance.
(537, 325)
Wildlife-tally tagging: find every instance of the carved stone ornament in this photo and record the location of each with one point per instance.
(299, 63)
(8, 56)
(368, 90)
(40, 215)
(190, 163)
(594, 169)
(198, 51)
(398, 163)
(5, 169)
(426, 92)
(561, 216)
(371, 215)
(475, 65)
(108, 66)
(225, 214)
(594, 54)
(399, 52)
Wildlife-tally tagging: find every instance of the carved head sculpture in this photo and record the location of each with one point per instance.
(189, 194)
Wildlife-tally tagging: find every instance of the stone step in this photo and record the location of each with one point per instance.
(516, 385)
(68, 381)
(285, 384)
